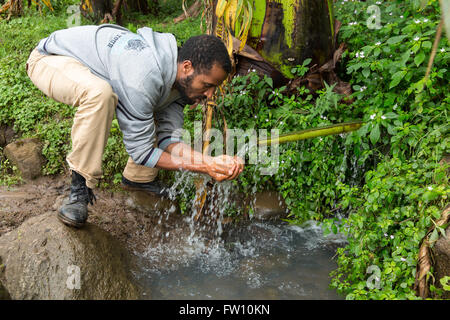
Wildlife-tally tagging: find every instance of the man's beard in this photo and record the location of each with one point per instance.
(184, 87)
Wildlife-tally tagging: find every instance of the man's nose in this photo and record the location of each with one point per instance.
(210, 92)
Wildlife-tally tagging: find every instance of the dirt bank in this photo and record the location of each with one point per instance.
(122, 214)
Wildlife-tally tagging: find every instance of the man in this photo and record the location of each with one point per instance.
(146, 80)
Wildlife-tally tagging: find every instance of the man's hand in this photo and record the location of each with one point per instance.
(182, 156)
(225, 167)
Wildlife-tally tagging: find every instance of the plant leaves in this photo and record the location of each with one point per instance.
(434, 235)
(419, 58)
(375, 134)
(366, 72)
(396, 78)
(395, 39)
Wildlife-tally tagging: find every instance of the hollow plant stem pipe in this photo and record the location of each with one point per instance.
(313, 133)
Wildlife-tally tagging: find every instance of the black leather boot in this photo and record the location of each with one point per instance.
(154, 187)
(74, 210)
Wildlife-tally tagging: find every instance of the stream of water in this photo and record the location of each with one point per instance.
(262, 260)
(251, 260)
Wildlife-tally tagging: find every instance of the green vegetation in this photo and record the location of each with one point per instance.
(383, 185)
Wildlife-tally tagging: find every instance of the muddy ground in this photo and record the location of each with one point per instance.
(131, 217)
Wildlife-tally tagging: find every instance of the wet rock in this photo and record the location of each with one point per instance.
(44, 259)
(441, 252)
(268, 205)
(7, 135)
(151, 204)
(26, 154)
(4, 294)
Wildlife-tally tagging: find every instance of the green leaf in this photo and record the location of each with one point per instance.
(434, 235)
(366, 72)
(334, 228)
(269, 81)
(391, 115)
(419, 58)
(396, 78)
(375, 134)
(426, 44)
(445, 282)
(395, 39)
(430, 195)
(306, 62)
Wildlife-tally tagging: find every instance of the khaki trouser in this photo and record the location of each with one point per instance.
(68, 81)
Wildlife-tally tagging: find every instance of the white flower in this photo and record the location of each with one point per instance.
(417, 21)
(385, 234)
(443, 50)
(395, 106)
(378, 2)
(401, 17)
(373, 116)
(267, 120)
(416, 39)
(430, 188)
(383, 117)
(392, 237)
(425, 20)
(363, 88)
(378, 43)
(402, 259)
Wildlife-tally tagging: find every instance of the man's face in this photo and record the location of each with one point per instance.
(195, 87)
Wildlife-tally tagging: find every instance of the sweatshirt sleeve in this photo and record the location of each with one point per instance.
(169, 124)
(136, 120)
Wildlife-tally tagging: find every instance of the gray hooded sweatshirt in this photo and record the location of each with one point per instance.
(141, 69)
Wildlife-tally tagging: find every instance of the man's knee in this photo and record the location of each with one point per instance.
(102, 94)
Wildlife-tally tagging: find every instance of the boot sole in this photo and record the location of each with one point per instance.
(69, 222)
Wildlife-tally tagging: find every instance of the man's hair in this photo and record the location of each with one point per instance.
(204, 51)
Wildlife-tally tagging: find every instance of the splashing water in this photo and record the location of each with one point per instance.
(261, 260)
(253, 260)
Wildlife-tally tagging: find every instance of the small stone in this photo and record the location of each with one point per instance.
(26, 155)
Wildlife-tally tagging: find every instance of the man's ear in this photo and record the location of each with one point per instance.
(187, 67)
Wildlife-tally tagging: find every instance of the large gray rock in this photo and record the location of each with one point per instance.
(44, 259)
(26, 154)
(441, 252)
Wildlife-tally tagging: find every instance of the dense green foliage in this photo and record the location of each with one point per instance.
(383, 185)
